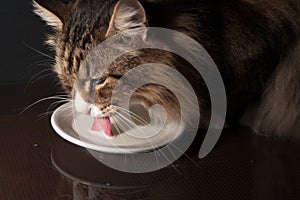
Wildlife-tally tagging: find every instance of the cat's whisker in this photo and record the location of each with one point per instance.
(169, 161)
(38, 51)
(62, 100)
(116, 125)
(121, 135)
(51, 112)
(57, 97)
(138, 119)
(185, 154)
(32, 82)
(161, 152)
(132, 115)
(58, 102)
(128, 122)
(141, 123)
(44, 63)
(38, 73)
(124, 109)
(125, 125)
(69, 115)
(132, 125)
(45, 114)
(43, 76)
(138, 127)
(135, 116)
(36, 78)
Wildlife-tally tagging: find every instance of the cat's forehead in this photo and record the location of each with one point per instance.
(93, 7)
(95, 65)
(91, 15)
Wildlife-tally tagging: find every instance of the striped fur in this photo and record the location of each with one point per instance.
(252, 42)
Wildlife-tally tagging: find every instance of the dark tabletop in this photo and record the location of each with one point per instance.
(37, 164)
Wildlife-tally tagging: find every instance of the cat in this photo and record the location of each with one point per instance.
(254, 43)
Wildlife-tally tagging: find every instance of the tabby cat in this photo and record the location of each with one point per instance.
(254, 43)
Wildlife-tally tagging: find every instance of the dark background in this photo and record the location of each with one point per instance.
(21, 32)
(37, 164)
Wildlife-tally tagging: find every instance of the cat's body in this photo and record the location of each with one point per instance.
(255, 44)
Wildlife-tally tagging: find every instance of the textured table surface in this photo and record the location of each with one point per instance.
(38, 164)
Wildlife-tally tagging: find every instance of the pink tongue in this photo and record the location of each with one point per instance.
(102, 124)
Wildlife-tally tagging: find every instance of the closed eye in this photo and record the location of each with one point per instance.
(98, 81)
(116, 76)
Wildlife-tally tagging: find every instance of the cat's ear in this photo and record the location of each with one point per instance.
(129, 16)
(53, 12)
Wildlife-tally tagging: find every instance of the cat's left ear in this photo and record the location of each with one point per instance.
(128, 16)
(53, 12)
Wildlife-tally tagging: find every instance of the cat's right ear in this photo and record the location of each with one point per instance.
(129, 16)
(53, 12)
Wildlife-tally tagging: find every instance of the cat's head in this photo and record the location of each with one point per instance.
(79, 26)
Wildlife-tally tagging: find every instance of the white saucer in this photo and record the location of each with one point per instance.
(63, 123)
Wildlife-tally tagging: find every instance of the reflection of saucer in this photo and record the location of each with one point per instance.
(76, 164)
(62, 122)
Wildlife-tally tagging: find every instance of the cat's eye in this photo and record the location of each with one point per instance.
(98, 81)
(115, 76)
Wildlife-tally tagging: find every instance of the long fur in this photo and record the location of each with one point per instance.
(252, 43)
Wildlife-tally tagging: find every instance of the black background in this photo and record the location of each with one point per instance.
(21, 32)
(242, 166)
